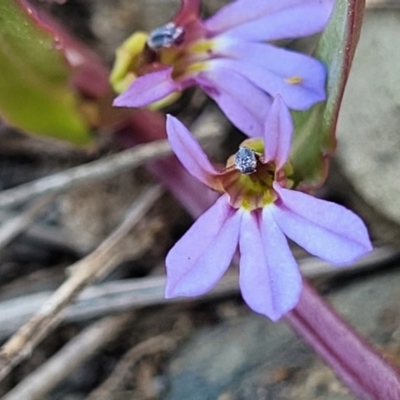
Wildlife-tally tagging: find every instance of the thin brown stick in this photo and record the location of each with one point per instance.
(72, 355)
(116, 296)
(102, 299)
(84, 272)
(55, 236)
(98, 170)
(122, 371)
(102, 169)
(13, 227)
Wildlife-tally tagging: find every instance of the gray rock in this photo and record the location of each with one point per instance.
(369, 123)
(218, 358)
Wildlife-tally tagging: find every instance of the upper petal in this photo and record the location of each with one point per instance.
(202, 255)
(278, 133)
(147, 89)
(242, 102)
(326, 230)
(260, 20)
(190, 153)
(298, 78)
(269, 278)
(299, 88)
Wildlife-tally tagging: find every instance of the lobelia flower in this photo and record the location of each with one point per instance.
(228, 56)
(256, 211)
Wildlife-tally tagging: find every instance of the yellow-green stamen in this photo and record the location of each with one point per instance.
(248, 180)
(294, 80)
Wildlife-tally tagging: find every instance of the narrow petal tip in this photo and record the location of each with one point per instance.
(190, 153)
(148, 89)
(119, 101)
(278, 132)
(171, 291)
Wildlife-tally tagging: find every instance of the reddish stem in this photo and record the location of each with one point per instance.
(365, 372)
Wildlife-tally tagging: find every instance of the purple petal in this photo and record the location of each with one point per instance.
(278, 133)
(189, 152)
(260, 20)
(200, 258)
(147, 89)
(269, 278)
(242, 102)
(324, 229)
(298, 79)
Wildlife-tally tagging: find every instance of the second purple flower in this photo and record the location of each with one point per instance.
(228, 56)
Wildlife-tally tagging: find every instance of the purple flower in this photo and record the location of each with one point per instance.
(228, 56)
(256, 211)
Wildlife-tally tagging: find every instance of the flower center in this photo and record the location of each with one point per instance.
(248, 180)
(187, 55)
(185, 48)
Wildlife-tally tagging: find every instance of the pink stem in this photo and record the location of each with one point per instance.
(364, 371)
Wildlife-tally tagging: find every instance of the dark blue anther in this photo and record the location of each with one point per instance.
(165, 36)
(246, 161)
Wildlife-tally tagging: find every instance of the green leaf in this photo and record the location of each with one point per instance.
(35, 91)
(314, 138)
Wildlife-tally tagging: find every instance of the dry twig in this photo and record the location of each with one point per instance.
(71, 356)
(54, 236)
(117, 296)
(106, 167)
(85, 272)
(13, 227)
(102, 169)
(101, 300)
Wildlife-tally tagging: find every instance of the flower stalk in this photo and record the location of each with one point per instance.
(363, 370)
